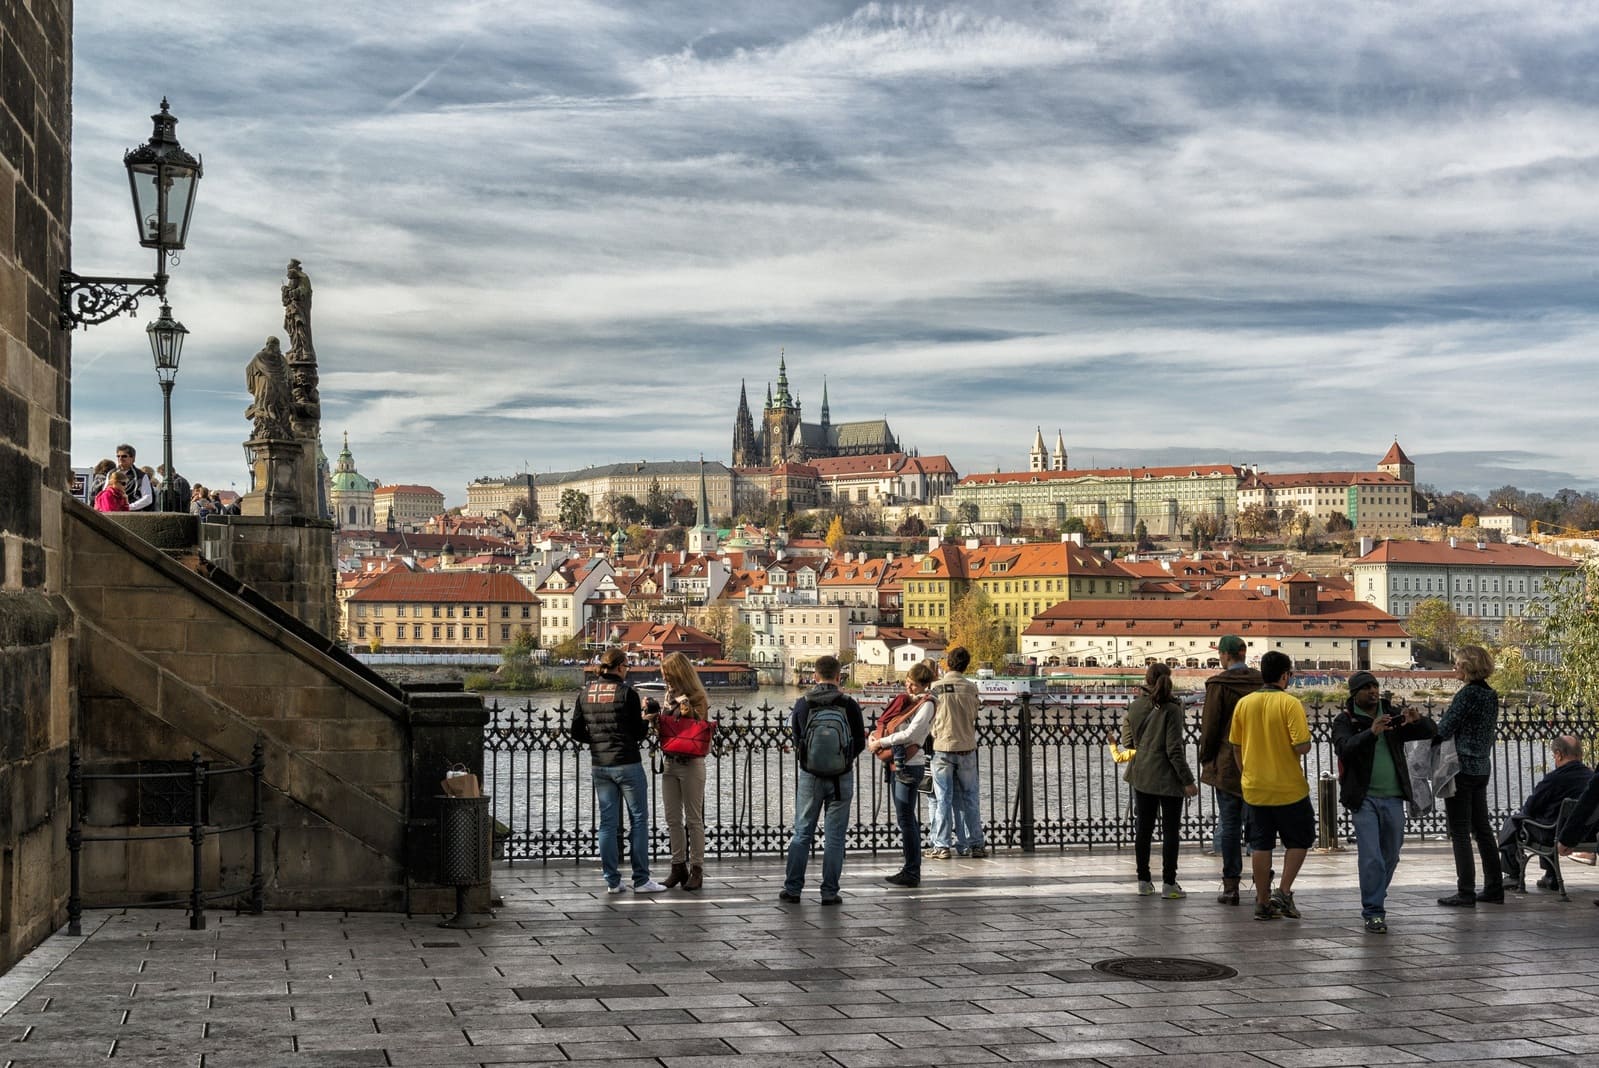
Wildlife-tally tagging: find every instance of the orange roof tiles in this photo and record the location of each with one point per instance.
(474, 587)
(1214, 617)
(1463, 554)
(1133, 473)
(1330, 479)
(1394, 455)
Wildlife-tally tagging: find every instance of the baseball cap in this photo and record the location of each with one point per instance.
(1231, 644)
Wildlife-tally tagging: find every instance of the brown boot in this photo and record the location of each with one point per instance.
(1229, 892)
(696, 878)
(679, 873)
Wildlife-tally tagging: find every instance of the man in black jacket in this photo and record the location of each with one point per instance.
(1369, 739)
(1566, 779)
(815, 794)
(610, 720)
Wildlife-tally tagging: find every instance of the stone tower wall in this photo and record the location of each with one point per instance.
(36, 670)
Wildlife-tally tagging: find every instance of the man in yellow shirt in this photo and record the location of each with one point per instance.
(1269, 735)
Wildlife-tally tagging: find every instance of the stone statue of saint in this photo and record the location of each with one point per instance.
(297, 313)
(267, 378)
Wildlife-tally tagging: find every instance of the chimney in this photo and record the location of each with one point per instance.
(933, 542)
(1367, 544)
(1454, 543)
(888, 558)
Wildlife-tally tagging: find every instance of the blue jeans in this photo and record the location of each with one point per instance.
(813, 795)
(1379, 833)
(1229, 833)
(612, 786)
(906, 803)
(957, 811)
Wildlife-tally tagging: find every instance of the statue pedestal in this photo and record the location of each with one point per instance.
(274, 477)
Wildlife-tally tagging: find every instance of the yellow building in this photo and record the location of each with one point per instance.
(1021, 581)
(1369, 500)
(421, 611)
(491, 496)
(411, 506)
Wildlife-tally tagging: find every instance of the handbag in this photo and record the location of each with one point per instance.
(685, 737)
(898, 710)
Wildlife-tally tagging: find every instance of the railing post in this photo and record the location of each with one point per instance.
(1327, 812)
(75, 841)
(258, 827)
(197, 838)
(1024, 778)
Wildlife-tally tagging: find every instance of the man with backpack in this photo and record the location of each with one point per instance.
(829, 733)
(957, 816)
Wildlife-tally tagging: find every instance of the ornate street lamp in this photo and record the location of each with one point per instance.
(166, 345)
(164, 179)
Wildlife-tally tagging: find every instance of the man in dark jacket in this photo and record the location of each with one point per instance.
(815, 793)
(610, 720)
(1217, 763)
(1369, 739)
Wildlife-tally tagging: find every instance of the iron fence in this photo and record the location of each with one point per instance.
(1046, 776)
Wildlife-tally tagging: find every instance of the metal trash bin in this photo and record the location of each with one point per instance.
(1327, 813)
(465, 849)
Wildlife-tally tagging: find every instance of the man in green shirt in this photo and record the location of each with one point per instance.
(1369, 738)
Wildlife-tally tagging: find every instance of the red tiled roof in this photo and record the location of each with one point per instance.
(1464, 554)
(1321, 478)
(1394, 455)
(1213, 617)
(1134, 473)
(473, 587)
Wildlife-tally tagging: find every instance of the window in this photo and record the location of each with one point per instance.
(450, 632)
(480, 632)
(436, 613)
(416, 632)
(481, 611)
(399, 610)
(360, 609)
(360, 630)
(435, 632)
(527, 612)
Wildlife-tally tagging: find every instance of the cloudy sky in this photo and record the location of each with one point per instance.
(559, 233)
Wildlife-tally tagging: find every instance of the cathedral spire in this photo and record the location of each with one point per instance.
(825, 418)
(1035, 455)
(783, 400)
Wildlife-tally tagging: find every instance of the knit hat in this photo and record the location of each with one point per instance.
(1360, 680)
(1231, 644)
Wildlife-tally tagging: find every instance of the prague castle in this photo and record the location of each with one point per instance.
(783, 437)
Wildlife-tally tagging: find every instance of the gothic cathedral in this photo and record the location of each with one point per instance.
(784, 437)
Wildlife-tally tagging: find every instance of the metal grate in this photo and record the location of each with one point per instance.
(1165, 969)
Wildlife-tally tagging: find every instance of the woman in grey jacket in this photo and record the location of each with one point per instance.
(1160, 777)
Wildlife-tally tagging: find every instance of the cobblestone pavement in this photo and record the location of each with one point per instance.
(988, 962)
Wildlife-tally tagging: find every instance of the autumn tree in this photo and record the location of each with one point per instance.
(1468, 520)
(1338, 522)
(737, 645)
(911, 527)
(1571, 634)
(682, 511)
(975, 623)
(1438, 627)
(836, 539)
(1253, 523)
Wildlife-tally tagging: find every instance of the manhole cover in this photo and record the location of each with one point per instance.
(1164, 969)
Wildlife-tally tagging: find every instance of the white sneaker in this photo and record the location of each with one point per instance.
(1145, 888)
(649, 887)
(1172, 892)
(617, 889)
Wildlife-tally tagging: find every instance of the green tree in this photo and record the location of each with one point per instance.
(1253, 524)
(967, 512)
(1074, 525)
(837, 540)
(1571, 634)
(1438, 627)
(1141, 534)
(974, 623)
(1338, 522)
(739, 640)
(640, 539)
(911, 527)
(655, 505)
(574, 509)
(801, 523)
(682, 511)
(569, 648)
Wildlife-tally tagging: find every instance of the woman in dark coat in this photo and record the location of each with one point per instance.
(1160, 777)
(1470, 720)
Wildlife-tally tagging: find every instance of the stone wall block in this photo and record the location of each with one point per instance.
(365, 768)
(358, 734)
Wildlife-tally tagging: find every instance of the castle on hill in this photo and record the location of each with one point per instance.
(784, 437)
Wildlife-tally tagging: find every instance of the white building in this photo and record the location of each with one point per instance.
(1487, 582)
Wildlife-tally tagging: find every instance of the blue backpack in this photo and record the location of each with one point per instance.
(825, 746)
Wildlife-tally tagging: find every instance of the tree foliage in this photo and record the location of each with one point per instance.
(1254, 524)
(974, 623)
(682, 511)
(574, 509)
(655, 505)
(1571, 634)
(911, 527)
(837, 540)
(1438, 627)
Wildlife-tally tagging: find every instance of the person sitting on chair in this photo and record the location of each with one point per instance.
(1566, 779)
(1581, 824)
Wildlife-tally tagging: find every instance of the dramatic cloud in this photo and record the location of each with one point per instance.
(561, 233)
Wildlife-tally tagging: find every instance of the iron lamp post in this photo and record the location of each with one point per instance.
(163, 179)
(166, 345)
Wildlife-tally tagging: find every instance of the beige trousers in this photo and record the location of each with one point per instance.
(683, 793)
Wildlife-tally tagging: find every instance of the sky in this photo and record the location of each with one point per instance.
(550, 235)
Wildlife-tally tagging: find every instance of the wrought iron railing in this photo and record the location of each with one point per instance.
(1046, 774)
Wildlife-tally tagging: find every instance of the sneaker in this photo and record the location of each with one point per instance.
(979, 852)
(1283, 901)
(1146, 888)
(939, 853)
(963, 852)
(617, 889)
(1459, 901)
(784, 895)
(1172, 892)
(1376, 925)
(899, 878)
(649, 886)
(1268, 911)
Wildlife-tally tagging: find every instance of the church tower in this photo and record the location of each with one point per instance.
(782, 418)
(1396, 463)
(1057, 461)
(702, 537)
(1036, 455)
(350, 494)
(826, 419)
(744, 442)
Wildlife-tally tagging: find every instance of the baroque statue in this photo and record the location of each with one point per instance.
(303, 377)
(267, 378)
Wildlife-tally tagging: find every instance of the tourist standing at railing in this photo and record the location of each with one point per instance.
(1160, 777)
(829, 733)
(900, 741)
(957, 815)
(1272, 735)
(1369, 739)
(683, 777)
(1217, 765)
(1472, 720)
(610, 721)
